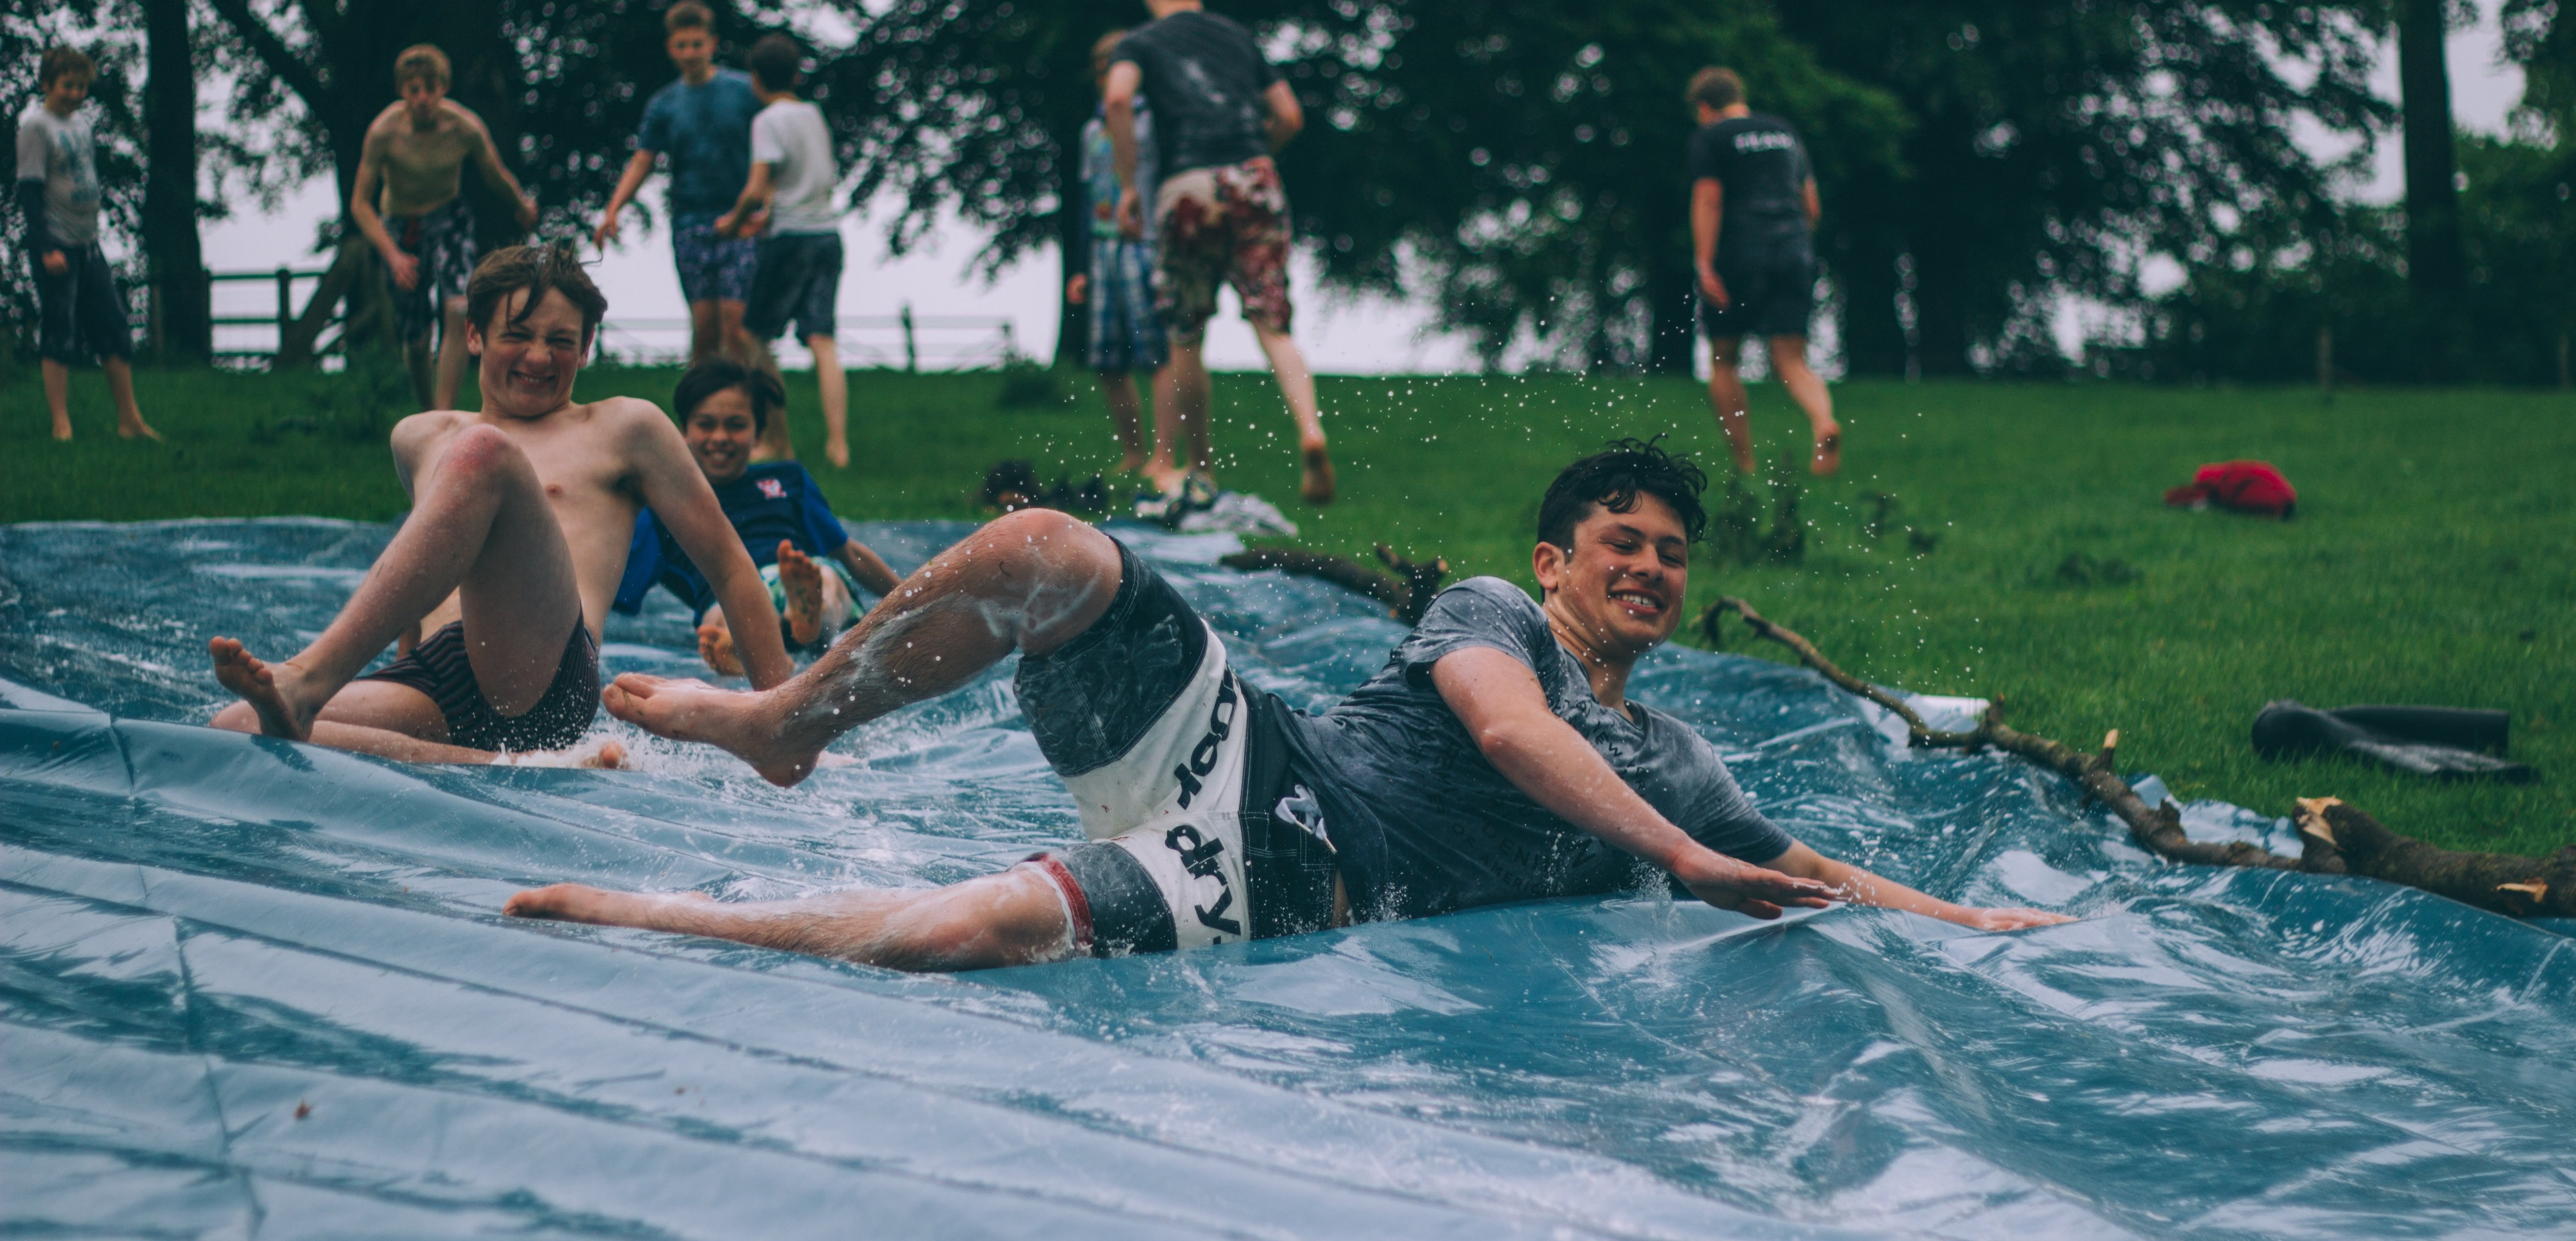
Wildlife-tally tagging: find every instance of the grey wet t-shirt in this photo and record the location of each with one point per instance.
(1424, 824)
(792, 139)
(60, 152)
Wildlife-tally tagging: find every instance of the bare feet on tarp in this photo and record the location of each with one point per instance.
(715, 645)
(802, 580)
(269, 689)
(740, 723)
(1315, 483)
(1829, 451)
(575, 902)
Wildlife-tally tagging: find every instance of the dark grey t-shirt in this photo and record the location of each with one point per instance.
(1206, 78)
(1424, 824)
(1764, 168)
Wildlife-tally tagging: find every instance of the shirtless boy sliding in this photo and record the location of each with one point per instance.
(409, 202)
(520, 520)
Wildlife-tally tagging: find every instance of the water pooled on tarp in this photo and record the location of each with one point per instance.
(253, 986)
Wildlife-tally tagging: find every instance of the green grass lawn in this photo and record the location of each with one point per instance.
(2433, 559)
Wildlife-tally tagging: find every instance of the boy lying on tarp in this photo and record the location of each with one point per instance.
(1495, 758)
(774, 506)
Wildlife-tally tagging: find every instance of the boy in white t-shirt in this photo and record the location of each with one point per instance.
(80, 312)
(787, 203)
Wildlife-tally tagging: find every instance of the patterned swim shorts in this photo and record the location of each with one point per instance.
(1126, 335)
(712, 268)
(442, 240)
(1222, 226)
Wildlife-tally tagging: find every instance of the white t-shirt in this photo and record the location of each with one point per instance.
(790, 137)
(60, 152)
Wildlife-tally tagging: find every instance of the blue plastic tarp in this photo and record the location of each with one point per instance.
(256, 988)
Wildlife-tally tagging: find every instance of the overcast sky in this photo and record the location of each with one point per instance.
(1340, 336)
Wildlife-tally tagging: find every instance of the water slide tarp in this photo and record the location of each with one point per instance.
(255, 988)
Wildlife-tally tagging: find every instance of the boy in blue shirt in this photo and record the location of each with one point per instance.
(774, 506)
(703, 122)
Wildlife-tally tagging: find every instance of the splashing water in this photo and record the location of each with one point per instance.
(252, 986)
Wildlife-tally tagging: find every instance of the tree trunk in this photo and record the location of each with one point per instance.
(1865, 266)
(176, 262)
(1941, 305)
(1073, 245)
(2436, 263)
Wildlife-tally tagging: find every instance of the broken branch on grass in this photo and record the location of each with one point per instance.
(2334, 837)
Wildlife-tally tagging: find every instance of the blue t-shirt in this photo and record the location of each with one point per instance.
(1424, 824)
(773, 500)
(706, 132)
(1099, 168)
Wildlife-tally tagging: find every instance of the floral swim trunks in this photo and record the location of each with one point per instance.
(1222, 226)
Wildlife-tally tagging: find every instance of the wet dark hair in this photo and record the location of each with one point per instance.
(688, 15)
(535, 268)
(59, 61)
(1613, 479)
(711, 377)
(1719, 88)
(776, 60)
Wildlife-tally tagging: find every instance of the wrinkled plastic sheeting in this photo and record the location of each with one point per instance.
(255, 987)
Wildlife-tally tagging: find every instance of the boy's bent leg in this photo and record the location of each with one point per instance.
(1028, 582)
(481, 525)
(1017, 917)
(1789, 362)
(1297, 386)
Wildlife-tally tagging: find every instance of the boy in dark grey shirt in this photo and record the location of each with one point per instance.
(1496, 758)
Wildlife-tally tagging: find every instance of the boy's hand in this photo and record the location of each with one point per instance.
(1075, 288)
(1131, 214)
(1713, 288)
(404, 269)
(527, 211)
(606, 232)
(754, 224)
(56, 263)
(1729, 884)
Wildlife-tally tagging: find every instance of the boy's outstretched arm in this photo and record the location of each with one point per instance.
(1498, 699)
(1860, 887)
(867, 568)
(682, 501)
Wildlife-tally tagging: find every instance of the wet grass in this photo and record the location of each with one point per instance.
(2433, 559)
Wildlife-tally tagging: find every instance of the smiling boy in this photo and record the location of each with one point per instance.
(776, 509)
(521, 515)
(1496, 757)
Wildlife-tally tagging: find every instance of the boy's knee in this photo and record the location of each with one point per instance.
(480, 451)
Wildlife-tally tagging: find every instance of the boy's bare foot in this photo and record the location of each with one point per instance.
(574, 902)
(1169, 481)
(257, 683)
(838, 453)
(1131, 462)
(802, 580)
(736, 722)
(140, 430)
(1316, 485)
(715, 645)
(1829, 451)
(62, 428)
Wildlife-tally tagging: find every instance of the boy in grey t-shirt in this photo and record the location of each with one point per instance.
(787, 203)
(80, 311)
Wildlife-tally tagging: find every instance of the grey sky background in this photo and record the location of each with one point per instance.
(1341, 335)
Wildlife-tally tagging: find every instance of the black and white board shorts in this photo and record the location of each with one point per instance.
(1200, 831)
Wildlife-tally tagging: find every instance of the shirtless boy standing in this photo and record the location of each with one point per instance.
(408, 202)
(521, 515)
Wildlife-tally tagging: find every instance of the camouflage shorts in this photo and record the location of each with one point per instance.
(1221, 226)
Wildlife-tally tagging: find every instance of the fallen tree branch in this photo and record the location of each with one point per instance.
(2335, 838)
(1406, 594)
